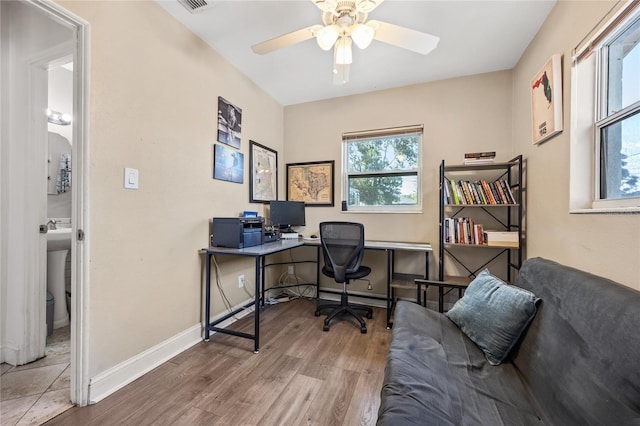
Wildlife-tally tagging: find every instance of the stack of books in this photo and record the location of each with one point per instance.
(479, 157)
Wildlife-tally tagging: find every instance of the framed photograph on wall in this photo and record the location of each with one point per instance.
(263, 172)
(228, 164)
(311, 182)
(229, 123)
(546, 100)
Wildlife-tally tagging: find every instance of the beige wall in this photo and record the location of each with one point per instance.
(153, 106)
(459, 115)
(481, 113)
(607, 245)
(154, 89)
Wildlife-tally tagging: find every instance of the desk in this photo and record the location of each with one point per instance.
(394, 280)
(260, 252)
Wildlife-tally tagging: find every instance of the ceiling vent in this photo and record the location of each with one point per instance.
(195, 6)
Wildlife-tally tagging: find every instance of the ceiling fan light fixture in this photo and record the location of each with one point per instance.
(326, 5)
(362, 35)
(327, 36)
(367, 5)
(340, 74)
(343, 54)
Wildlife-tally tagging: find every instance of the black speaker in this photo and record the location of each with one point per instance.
(344, 206)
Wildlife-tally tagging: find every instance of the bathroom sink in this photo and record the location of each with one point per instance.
(59, 239)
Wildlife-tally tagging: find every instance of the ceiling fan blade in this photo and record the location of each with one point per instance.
(406, 38)
(285, 40)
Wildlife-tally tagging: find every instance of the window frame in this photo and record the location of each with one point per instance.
(378, 134)
(590, 68)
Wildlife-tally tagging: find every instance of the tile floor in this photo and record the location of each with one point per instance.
(33, 393)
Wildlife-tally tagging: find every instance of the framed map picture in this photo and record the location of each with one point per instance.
(263, 162)
(546, 100)
(228, 164)
(311, 183)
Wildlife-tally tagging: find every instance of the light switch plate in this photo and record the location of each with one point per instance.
(130, 178)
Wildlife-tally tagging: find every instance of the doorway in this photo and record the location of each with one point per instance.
(36, 36)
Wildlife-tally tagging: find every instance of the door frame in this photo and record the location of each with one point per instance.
(79, 199)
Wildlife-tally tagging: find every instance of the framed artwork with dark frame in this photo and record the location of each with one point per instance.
(312, 183)
(229, 123)
(263, 172)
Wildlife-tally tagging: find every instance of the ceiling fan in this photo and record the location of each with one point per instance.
(345, 23)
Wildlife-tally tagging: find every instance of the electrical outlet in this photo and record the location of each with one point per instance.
(290, 271)
(240, 281)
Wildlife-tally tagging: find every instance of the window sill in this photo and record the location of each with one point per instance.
(607, 210)
(383, 211)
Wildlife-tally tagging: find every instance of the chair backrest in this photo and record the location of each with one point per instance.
(342, 247)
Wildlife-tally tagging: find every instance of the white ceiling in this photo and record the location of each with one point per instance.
(475, 37)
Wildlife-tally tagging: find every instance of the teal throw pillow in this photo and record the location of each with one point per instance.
(493, 315)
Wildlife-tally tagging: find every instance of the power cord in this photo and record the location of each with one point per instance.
(225, 300)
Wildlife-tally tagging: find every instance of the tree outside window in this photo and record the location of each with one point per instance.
(383, 173)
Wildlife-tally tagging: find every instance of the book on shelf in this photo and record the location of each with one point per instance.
(502, 238)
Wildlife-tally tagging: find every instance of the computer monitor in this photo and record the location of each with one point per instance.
(285, 214)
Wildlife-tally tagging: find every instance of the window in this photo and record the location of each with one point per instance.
(381, 170)
(606, 127)
(618, 129)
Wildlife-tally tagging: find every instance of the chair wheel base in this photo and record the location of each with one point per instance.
(363, 330)
(369, 315)
(317, 313)
(325, 328)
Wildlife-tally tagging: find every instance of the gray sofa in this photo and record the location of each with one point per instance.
(577, 363)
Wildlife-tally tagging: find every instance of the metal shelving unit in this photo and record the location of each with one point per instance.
(508, 217)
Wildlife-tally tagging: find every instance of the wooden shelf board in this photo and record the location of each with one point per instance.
(457, 279)
(472, 167)
(481, 205)
(480, 246)
(405, 281)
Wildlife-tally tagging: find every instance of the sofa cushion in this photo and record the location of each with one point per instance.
(437, 375)
(493, 314)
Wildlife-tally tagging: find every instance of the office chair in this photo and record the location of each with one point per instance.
(343, 249)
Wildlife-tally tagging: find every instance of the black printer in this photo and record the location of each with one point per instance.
(237, 232)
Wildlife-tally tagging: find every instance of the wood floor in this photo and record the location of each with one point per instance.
(302, 376)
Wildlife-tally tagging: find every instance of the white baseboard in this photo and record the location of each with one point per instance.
(115, 378)
(9, 354)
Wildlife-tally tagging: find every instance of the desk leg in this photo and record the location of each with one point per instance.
(426, 276)
(389, 291)
(207, 295)
(318, 274)
(256, 316)
(262, 290)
